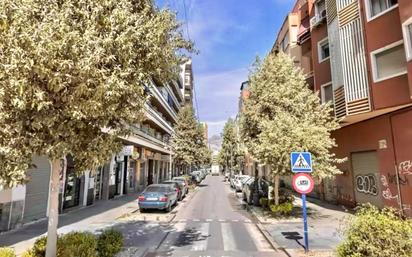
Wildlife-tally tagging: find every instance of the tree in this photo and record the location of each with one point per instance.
(204, 154)
(188, 141)
(72, 79)
(227, 152)
(231, 155)
(283, 115)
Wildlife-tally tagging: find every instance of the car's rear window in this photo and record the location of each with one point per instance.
(157, 189)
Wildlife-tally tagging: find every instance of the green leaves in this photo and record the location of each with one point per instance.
(283, 115)
(72, 68)
(374, 232)
(188, 140)
(231, 154)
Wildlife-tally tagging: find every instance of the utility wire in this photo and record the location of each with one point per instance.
(187, 21)
(188, 36)
(197, 106)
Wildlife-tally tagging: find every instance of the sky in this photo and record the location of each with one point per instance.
(228, 34)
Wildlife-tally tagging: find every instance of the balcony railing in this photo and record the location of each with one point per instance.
(156, 93)
(159, 118)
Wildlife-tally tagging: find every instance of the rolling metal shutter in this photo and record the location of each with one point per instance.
(366, 178)
(37, 190)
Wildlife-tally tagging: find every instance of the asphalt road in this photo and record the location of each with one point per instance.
(213, 223)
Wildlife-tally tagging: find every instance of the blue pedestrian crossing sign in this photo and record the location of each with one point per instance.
(301, 162)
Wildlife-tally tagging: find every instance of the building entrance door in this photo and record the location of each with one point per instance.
(72, 186)
(150, 172)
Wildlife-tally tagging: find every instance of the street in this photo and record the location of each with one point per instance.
(212, 223)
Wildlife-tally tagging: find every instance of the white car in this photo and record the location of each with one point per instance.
(240, 182)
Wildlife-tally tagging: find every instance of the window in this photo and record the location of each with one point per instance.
(407, 36)
(323, 50)
(376, 8)
(388, 62)
(285, 42)
(327, 93)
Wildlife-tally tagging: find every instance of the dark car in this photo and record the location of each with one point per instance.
(178, 187)
(158, 196)
(250, 186)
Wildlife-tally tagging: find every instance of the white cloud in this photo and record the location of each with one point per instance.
(218, 96)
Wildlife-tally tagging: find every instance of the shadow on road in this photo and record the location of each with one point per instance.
(293, 235)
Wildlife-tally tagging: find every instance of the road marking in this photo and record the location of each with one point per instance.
(235, 220)
(209, 220)
(222, 220)
(200, 244)
(228, 237)
(257, 237)
(196, 220)
(173, 235)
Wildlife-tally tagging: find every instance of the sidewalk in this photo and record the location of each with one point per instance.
(324, 221)
(92, 218)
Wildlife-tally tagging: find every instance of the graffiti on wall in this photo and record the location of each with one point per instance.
(386, 191)
(366, 184)
(403, 179)
(405, 167)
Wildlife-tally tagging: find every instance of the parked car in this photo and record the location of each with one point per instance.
(232, 181)
(249, 187)
(185, 183)
(240, 182)
(178, 187)
(196, 177)
(158, 196)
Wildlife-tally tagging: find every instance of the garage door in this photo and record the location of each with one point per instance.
(366, 178)
(37, 190)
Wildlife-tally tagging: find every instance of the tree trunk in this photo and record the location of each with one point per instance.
(276, 189)
(51, 247)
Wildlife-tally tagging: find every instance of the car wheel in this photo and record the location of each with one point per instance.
(249, 200)
(169, 207)
(142, 210)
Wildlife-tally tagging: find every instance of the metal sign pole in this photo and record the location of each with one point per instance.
(305, 223)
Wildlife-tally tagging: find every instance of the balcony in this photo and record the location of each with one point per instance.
(150, 134)
(163, 102)
(158, 118)
(176, 87)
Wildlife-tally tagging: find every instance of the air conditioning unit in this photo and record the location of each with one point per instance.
(313, 21)
(317, 19)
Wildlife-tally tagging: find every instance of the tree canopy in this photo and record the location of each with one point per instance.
(71, 68)
(188, 140)
(283, 115)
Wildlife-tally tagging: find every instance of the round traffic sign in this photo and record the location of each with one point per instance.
(303, 183)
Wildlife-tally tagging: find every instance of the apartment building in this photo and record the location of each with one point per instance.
(357, 55)
(146, 158)
(188, 86)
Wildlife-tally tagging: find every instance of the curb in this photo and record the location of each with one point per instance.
(266, 234)
(270, 240)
